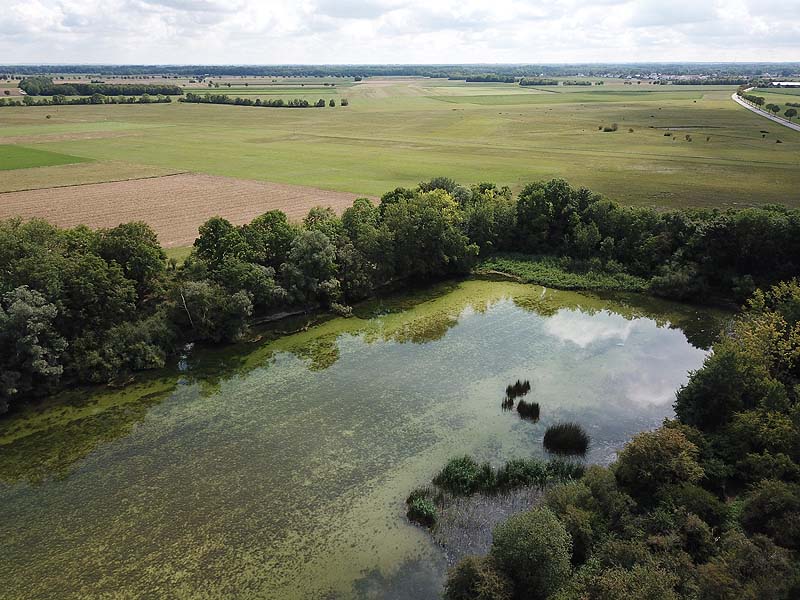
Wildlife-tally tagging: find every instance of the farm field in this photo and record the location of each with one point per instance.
(398, 131)
(174, 205)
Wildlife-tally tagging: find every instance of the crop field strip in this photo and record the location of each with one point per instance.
(175, 205)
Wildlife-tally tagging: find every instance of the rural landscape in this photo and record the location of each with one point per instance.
(456, 327)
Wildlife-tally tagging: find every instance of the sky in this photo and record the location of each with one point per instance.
(397, 31)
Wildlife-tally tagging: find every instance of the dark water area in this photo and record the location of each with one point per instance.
(278, 468)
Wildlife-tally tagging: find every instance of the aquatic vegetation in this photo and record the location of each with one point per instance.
(463, 475)
(422, 511)
(459, 476)
(566, 438)
(528, 410)
(518, 389)
(561, 273)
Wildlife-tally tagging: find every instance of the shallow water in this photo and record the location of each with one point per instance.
(278, 468)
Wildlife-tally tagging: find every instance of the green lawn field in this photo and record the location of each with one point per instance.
(19, 157)
(400, 131)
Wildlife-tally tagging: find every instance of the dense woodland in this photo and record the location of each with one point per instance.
(44, 86)
(705, 507)
(84, 306)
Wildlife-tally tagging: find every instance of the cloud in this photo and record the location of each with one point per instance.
(656, 13)
(398, 31)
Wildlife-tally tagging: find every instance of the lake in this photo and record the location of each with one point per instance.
(278, 468)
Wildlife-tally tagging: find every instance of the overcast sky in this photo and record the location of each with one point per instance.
(397, 31)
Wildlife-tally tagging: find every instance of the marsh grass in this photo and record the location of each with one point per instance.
(518, 389)
(562, 273)
(566, 439)
(528, 410)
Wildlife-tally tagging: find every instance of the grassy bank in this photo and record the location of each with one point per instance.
(562, 273)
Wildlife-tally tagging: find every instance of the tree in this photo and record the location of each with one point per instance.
(134, 247)
(653, 460)
(269, 238)
(30, 346)
(773, 508)
(310, 270)
(204, 311)
(478, 578)
(428, 236)
(790, 113)
(217, 239)
(332, 103)
(533, 549)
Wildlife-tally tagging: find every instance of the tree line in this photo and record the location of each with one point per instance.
(44, 86)
(83, 306)
(272, 103)
(59, 100)
(705, 507)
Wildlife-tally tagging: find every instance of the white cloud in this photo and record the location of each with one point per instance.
(397, 31)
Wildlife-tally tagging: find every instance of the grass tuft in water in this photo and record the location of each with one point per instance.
(528, 410)
(566, 439)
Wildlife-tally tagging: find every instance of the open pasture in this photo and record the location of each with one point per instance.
(398, 131)
(18, 157)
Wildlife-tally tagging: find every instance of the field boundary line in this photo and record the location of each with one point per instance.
(71, 185)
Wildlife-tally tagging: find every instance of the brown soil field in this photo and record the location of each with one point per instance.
(175, 205)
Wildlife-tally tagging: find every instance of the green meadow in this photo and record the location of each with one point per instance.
(20, 157)
(396, 132)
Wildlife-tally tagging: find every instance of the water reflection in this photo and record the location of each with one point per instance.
(582, 328)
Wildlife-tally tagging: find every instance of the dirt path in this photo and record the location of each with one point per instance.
(174, 205)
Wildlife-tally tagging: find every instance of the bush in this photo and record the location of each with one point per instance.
(477, 578)
(566, 438)
(773, 508)
(522, 472)
(639, 582)
(459, 476)
(696, 500)
(534, 549)
(656, 459)
(422, 510)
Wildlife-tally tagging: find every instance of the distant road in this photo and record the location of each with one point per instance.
(765, 114)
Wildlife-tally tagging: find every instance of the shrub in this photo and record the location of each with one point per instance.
(477, 578)
(564, 470)
(655, 459)
(748, 568)
(534, 549)
(522, 472)
(566, 438)
(773, 508)
(696, 500)
(459, 476)
(422, 510)
(640, 582)
(755, 467)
